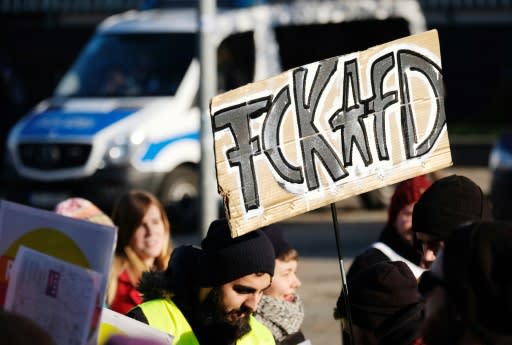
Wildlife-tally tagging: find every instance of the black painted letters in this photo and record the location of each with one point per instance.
(348, 118)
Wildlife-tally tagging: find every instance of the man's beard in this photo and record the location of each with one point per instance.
(218, 326)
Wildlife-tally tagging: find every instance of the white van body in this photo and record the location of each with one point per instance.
(92, 141)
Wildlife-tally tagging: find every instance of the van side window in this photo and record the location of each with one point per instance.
(303, 44)
(235, 61)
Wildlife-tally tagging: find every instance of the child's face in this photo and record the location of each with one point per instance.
(285, 282)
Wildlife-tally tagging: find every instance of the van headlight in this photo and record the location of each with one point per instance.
(122, 148)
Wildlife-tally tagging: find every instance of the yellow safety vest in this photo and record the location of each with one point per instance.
(166, 316)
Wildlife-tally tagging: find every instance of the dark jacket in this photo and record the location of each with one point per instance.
(390, 237)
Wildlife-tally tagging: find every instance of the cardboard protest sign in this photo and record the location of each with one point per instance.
(330, 130)
(86, 244)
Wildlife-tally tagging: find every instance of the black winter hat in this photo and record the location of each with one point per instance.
(226, 259)
(384, 302)
(182, 269)
(448, 203)
(381, 294)
(369, 257)
(476, 271)
(275, 233)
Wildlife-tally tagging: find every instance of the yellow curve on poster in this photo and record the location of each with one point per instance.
(106, 331)
(51, 242)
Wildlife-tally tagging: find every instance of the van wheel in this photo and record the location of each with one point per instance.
(179, 195)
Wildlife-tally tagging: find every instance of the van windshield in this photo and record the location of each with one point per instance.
(130, 65)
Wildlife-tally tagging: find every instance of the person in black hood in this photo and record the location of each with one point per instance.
(468, 290)
(450, 201)
(385, 306)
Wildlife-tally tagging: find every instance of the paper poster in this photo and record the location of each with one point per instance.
(114, 323)
(60, 297)
(83, 243)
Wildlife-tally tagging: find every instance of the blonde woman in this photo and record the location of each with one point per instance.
(144, 243)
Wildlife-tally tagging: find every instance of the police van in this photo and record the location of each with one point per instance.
(126, 113)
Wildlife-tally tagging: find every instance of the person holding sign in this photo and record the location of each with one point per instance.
(396, 239)
(208, 295)
(280, 308)
(143, 244)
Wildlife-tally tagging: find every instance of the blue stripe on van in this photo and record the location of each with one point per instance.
(155, 148)
(62, 124)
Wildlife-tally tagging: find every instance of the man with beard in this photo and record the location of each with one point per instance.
(468, 291)
(207, 295)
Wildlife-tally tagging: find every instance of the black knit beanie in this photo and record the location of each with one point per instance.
(275, 234)
(383, 298)
(476, 270)
(447, 203)
(226, 259)
(369, 257)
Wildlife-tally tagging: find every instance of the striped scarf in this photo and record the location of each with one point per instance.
(281, 317)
